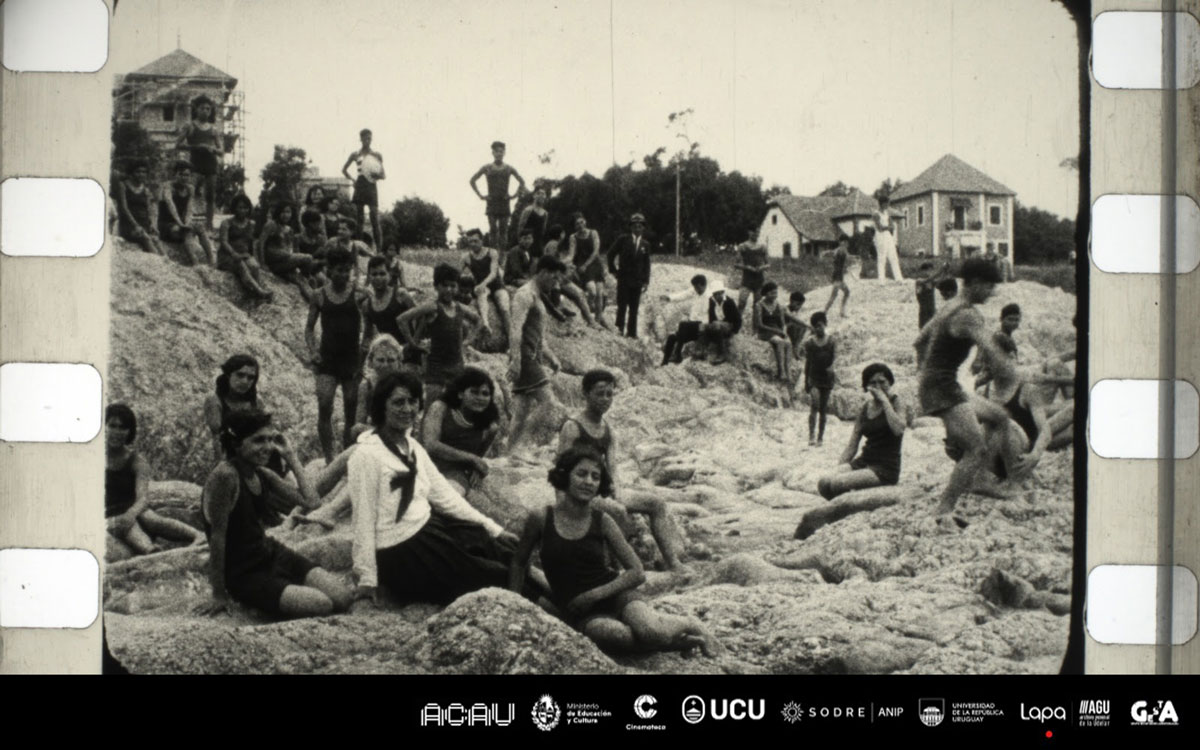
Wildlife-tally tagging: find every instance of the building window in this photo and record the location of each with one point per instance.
(1003, 249)
(169, 113)
(960, 217)
(994, 215)
(774, 219)
(920, 216)
(787, 248)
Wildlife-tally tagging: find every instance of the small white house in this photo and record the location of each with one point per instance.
(798, 225)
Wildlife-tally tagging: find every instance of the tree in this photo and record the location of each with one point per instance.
(1040, 236)
(775, 190)
(838, 189)
(131, 143)
(886, 188)
(282, 177)
(414, 222)
(231, 179)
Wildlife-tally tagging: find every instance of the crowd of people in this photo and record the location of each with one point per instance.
(419, 425)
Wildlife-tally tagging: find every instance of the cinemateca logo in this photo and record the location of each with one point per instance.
(1155, 713)
(644, 707)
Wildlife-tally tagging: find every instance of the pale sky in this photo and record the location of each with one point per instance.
(800, 92)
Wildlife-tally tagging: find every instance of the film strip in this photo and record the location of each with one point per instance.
(1142, 479)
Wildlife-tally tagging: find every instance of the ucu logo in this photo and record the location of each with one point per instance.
(738, 709)
(1044, 713)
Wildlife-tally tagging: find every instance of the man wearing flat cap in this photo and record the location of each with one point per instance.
(629, 262)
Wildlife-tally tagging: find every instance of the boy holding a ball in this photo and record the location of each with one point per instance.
(370, 171)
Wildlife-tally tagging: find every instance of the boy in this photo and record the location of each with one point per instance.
(926, 305)
(690, 327)
(948, 288)
(335, 360)
(175, 205)
(498, 200)
(795, 325)
(753, 264)
(820, 350)
(447, 323)
(370, 171)
(482, 264)
(589, 428)
(838, 277)
(518, 264)
(1010, 321)
(344, 240)
(942, 347)
(724, 321)
(527, 350)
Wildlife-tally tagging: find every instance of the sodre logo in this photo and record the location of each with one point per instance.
(475, 715)
(1043, 713)
(932, 711)
(644, 707)
(694, 709)
(1153, 713)
(546, 713)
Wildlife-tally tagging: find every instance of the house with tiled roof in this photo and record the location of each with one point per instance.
(953, 208)
(159, 95)
(798, 225)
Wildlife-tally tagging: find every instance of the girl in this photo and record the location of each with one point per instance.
(383, 358)
(769, 324)
(410, 526)
(330, 211)
(584, 248)
(312, 205)
(245, 564)
(127, 492)
(460, 427)
(536, 219)
(137, 219)
(236, 250)
(277, 250)
(820, 349)
(236, 392)
(203, 140)
(572, 537)
(881, 422)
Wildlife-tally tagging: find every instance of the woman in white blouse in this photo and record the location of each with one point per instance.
(412, 532)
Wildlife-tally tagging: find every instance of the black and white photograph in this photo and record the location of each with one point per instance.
(604, 337)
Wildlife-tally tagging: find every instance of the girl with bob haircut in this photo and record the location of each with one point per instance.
(572, 537)
(127, 492)
(409, 523)
(245, 564)
(881, 422)
(384, 356)
(460, 427)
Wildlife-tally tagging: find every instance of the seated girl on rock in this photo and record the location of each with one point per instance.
(881, 422)
(245, 564)
(460, 427)
(572, 537)
(131, 524)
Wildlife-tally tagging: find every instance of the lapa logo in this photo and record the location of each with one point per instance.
(1157, 713)
(644, 707)
(931, 710)
(693, 709)
(546, 713)
(1043, 713)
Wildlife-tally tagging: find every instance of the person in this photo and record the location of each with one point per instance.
(460, 427)
(1006, 266)
(411, 529)
(277, 250)
(518, 263)
(235, 251)
(331, 214)
(926, 305)
(794, 325)
(572, 538)
(175, 204)
(497, 199)
(536, 219)
(1010, 321)
(885, 241)
(558, 247)
(689, 328)
(770, 326)
(1029, 433)
(629, 262)
(584, 248)
(527, 350)
(369, 165)
(881, 422)
(383, 305)
(588, 429)
(752, 262)
(236, 392)
(245, 564)
(127, 490)
(137, 209)
(942, 347)
(391, 253)
(447, 323)
(838, 277)
(724, 321)
(483, 264)
(203, 140)
(312, 207)
(335, 359)
(343, 239)
(384, 356)
(820, 350)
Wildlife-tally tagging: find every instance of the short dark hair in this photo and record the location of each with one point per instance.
(364, 131)
(476, 232)
(980, 270)
(444, 273)
(818, 317)
(309, 218)
(871, 370)
(498, 144)
(699, 279)
(560, 475)
(328, 200)
(123, 414)
(550, 263)
(383, 391)
(376, 261)
(241, 199)
(526, 232)
(948, 286)
(796, 297)
(240, 425)
(338, 257)
(472, 377)
(768, 287)
(1012, 308)
(592, 378)
(348, 221)
(232, 365)
(554, 230)
(277, 209)
(180, 165)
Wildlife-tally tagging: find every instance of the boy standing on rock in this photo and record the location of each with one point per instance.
(499, 208)
(527, 350)
(335, 360)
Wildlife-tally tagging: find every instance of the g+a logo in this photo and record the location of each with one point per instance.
(736, 709)
(1162, 712)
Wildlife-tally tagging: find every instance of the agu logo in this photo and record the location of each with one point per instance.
(932, 711)
(644, 707)
(693, 709)
(1161, 713)
(546, 713)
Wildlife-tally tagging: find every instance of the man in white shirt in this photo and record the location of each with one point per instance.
(689, 328)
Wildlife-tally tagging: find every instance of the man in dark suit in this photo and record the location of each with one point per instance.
(629, 261)
(724, 320)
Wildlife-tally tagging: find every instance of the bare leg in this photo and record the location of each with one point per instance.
(839, 484)
(744, 295)
(963, 430)
(814, 398)
(328, 476)
(481, 306)
(139, 540)
(330, 585)
(326, 389)
(658, 632)
(305, 601)
(195, 251)
(169, 528)
(610, 634)
(210, 203)
(503, 307)
(832, 298)
(662, 527)
(845, 297)
(575, 294)
(349, 407)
